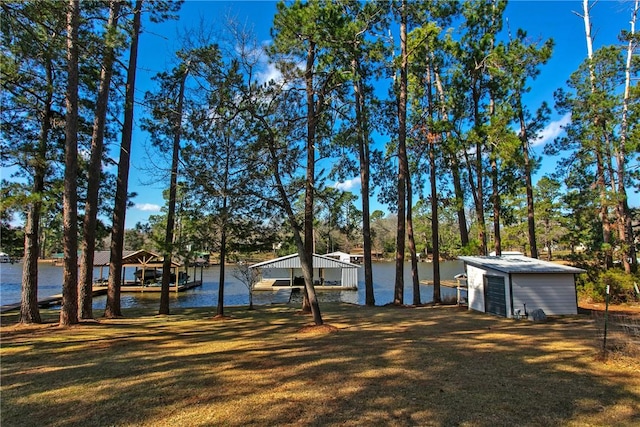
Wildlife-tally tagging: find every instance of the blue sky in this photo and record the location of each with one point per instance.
(541, 19)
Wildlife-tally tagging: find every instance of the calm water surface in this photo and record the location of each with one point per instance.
(235, 292)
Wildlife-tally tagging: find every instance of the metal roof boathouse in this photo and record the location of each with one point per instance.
(514, 285)
(286, 271)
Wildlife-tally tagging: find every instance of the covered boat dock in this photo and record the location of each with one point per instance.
(148, 272)
(286, 271)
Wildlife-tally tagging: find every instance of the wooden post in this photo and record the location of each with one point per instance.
(606, 318)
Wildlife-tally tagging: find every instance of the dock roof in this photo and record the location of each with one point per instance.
(132, 258)
(293, 261)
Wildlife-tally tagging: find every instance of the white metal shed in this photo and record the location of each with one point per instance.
(511, 286)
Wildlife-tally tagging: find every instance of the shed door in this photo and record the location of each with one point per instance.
(494, 295)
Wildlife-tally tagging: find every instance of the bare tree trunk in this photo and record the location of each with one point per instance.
(171, 212)
(587, 30)
(85, 286)
(69, 309)
(600, 163)
(113, 308)
(398, 297)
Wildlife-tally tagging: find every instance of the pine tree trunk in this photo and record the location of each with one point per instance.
(363, 155)
(307, 266)
(398, 297)
(531, 222)
(223, 234)
(29, 312)
(69, 309)
(113, 307)
(431, 141)
(604, 210)
(171, 212)
(310, 173)
(547, 227)
(457, 191)
(435, 224)
(415, 278)
(223, 256)
(625, 228)
(455, 169)
(85, 286)
(495, 198)
(479, 190)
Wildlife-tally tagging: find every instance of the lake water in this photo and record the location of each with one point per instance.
(235, 293)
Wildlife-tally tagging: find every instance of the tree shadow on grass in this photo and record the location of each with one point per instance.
(383, 366)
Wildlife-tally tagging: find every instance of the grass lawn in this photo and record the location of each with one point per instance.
(430, 366)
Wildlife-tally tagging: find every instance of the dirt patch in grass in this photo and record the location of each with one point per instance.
(435, 366)
(317, 329)
(218, 317)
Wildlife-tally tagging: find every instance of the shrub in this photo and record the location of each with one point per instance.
(594, 287)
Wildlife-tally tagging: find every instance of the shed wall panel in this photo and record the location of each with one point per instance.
(553, 293)
(476, 288)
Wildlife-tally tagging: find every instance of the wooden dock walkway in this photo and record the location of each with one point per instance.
(48, 301)
(447, 283)
(155, 288)
(460, 287)
(102, 290)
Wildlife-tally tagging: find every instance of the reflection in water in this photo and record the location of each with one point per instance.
(235, 292)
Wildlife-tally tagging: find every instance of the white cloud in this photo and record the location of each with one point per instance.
(347, 185)
(148, 207)
(269, 73)
(553, 130)
(84, 154)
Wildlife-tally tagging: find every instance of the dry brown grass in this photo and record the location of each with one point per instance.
(433, 366)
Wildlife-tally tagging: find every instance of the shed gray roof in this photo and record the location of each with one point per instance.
(293, 261)
(519, 264)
